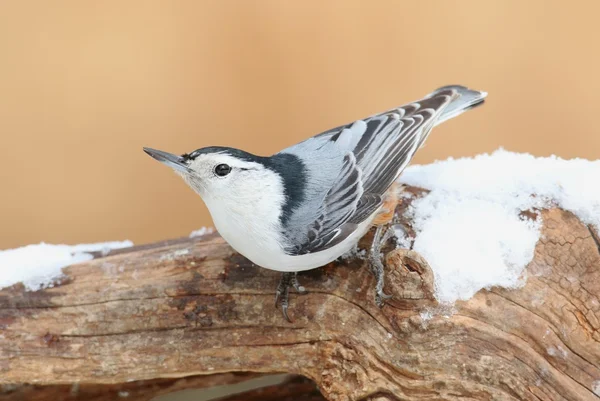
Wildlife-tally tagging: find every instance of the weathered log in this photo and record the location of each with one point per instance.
(195, 307)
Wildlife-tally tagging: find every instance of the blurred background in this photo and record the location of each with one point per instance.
(84, 85)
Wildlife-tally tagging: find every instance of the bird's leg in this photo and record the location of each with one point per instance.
(282, 294)
(376, 264)
(297, 285)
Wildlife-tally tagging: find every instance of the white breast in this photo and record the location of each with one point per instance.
(254, 238)
(247, 217)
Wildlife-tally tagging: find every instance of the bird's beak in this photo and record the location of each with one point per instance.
(169, 159)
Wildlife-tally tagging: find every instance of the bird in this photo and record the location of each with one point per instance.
(310, 203)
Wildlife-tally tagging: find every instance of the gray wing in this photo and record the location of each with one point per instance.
(368, 156)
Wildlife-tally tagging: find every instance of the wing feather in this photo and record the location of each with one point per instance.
(339, 205)
(383, 149)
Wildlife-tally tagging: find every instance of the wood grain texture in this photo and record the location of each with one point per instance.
(195, 307)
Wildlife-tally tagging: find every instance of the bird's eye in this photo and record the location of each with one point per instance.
(222, 170)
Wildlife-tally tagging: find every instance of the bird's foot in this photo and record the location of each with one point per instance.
(281, 296)
(377, 269)
(376, 264)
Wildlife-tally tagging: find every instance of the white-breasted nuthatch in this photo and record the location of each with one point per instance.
(307, 205)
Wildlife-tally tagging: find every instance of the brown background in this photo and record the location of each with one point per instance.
(84, 85)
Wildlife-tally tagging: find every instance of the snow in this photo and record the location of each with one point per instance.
(557, 352)
(596, 387)
(202, 232)
(403, 241)
(469, 227)
(354, 253)
(37, 266)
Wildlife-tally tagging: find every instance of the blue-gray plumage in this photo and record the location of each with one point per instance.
(366, 157)
(310, 203)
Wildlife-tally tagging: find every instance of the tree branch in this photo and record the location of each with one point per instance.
(194, 307)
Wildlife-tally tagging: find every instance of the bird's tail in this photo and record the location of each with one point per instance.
(465, 99)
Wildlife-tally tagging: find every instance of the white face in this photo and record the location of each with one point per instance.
(220, 177)
(245, 198)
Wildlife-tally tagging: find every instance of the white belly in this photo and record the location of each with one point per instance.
(270, 255)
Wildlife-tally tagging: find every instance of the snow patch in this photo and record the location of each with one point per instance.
(558, 351)
(443, 310)
(426, 316)
(37, 266)
(596, 388)
(470, 228)
(403, 240)
(355, 253)
(174, 255)
(202, 232)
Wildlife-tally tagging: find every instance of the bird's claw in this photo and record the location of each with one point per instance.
(277, 295)
(296, 285)
(376, 265)
(282, 294)
(284, 308)
(281, 297)
(381, 297)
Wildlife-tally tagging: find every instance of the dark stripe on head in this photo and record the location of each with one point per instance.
(240, 154)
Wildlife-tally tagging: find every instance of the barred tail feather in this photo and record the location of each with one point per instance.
(465, 99)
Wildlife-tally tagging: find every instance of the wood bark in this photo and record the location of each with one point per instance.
(195, 307)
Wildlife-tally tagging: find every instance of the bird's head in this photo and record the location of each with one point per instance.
(224, 177)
